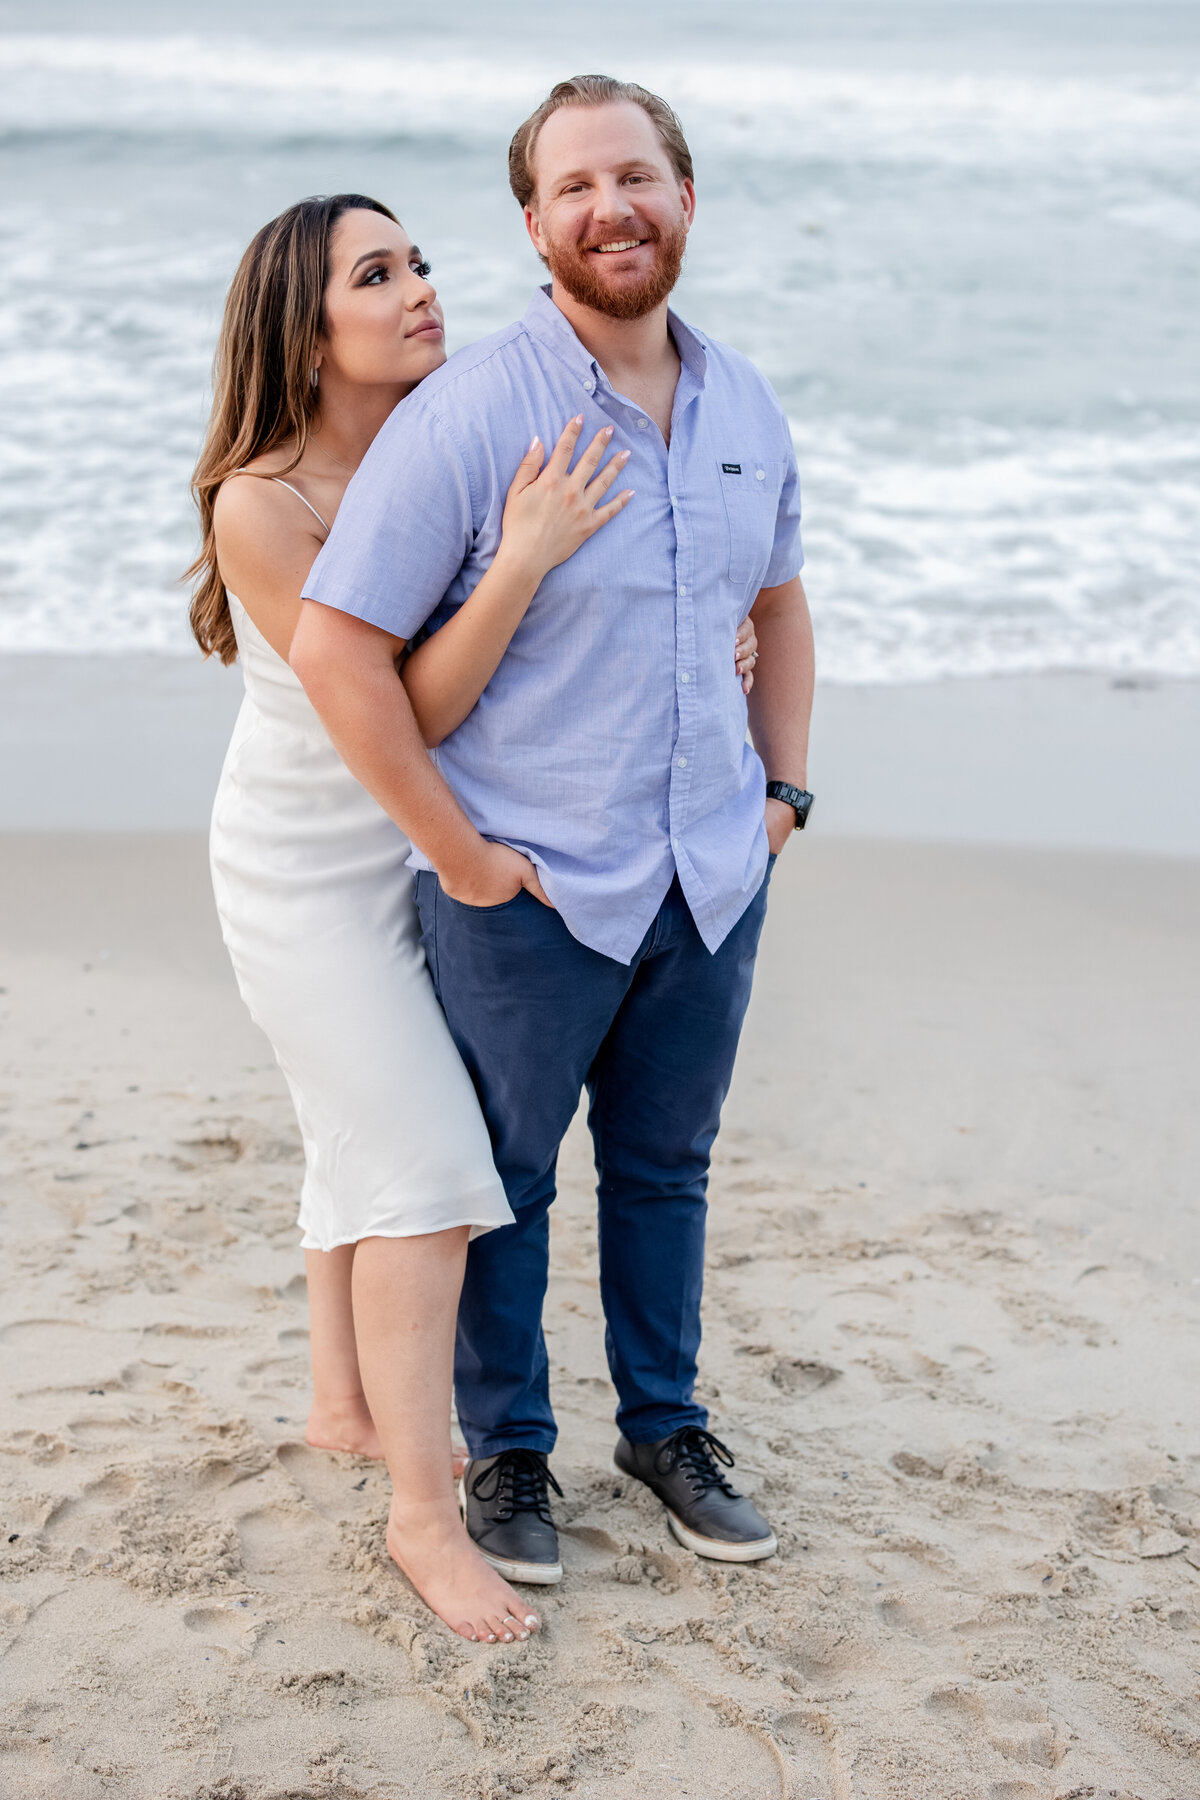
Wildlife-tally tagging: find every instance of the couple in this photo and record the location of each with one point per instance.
(529, 688)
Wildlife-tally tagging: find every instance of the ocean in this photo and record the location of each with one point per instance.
(962, 238)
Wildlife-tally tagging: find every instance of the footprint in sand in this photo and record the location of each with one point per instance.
(212, 1144)
(1016, 1726)
(589, 1550)
(801, 1739)
(797, 1375)
(88, 1521)
(99, 1433)
(227, 1628)
(269, 1372)
(333, 1483)
(287, 1548)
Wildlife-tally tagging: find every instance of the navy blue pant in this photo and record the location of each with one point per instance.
(537, 1015)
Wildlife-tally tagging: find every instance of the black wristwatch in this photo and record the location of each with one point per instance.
(799, 799)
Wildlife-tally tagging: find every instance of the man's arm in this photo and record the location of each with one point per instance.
(780, 703)
(347, 668)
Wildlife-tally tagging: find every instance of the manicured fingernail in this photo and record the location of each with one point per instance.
(578, 420)
(607, 432)
(623, 456)
(536, 441)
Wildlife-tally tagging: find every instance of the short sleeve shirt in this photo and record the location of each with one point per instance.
(610, 745)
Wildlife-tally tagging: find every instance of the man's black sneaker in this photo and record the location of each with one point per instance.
(506, 1508)
(706, 1514)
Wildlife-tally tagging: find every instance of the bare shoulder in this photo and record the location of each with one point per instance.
(265, 550)
(258, 520)
(250, 500)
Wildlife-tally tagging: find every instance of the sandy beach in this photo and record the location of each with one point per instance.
(953, 1291)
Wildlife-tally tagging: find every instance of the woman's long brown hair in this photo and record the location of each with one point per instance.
(263, 394)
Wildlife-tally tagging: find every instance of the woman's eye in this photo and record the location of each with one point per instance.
(369, 279)
(423, 269)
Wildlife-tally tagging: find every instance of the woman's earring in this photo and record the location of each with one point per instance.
(312, 376)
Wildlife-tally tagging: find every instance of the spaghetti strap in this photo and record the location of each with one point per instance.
(295, 490)
(291, 490)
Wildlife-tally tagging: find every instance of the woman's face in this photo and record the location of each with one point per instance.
(383, 324)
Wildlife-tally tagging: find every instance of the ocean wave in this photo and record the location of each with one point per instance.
(1002, 287)
(998, 552)
(256, 89)
(978, 551)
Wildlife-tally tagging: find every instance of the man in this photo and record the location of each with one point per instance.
(609, 750)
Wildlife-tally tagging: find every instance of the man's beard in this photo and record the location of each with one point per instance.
(572, 268)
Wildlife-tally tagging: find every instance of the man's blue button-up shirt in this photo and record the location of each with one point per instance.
(610, 745)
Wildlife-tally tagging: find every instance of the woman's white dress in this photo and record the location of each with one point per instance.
(316, 909)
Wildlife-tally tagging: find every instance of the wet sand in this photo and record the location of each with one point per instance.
(134, 743)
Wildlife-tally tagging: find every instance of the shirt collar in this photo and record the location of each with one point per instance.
(545, 323)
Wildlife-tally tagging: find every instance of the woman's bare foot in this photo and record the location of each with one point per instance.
(350, 1428)
(428, 1543)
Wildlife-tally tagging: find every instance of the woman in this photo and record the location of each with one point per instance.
(330, 322)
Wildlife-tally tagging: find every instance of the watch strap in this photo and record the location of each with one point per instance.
(799, 799)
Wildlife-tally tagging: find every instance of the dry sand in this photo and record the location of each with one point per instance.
(954, 1284)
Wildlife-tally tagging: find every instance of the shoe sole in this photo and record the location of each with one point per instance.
(718, 1549)
(536, 1574)
(715, 1549)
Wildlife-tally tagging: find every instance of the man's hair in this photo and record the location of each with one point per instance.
(594, 90)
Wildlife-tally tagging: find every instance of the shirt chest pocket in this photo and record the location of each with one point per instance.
(750, 488)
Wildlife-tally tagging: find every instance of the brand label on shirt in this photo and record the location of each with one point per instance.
(731, 468)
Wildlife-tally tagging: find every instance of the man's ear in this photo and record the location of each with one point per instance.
(533, 227)
(688, 196)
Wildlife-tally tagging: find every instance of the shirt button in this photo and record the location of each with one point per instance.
(683, 591)
(760, 474)
(681, 762)
(643, 424)
(685, 678)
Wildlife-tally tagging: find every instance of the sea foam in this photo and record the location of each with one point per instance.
(65, 83)
(975, 291)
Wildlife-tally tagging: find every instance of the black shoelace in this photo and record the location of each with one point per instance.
(517, 1481)
(696, 1453)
